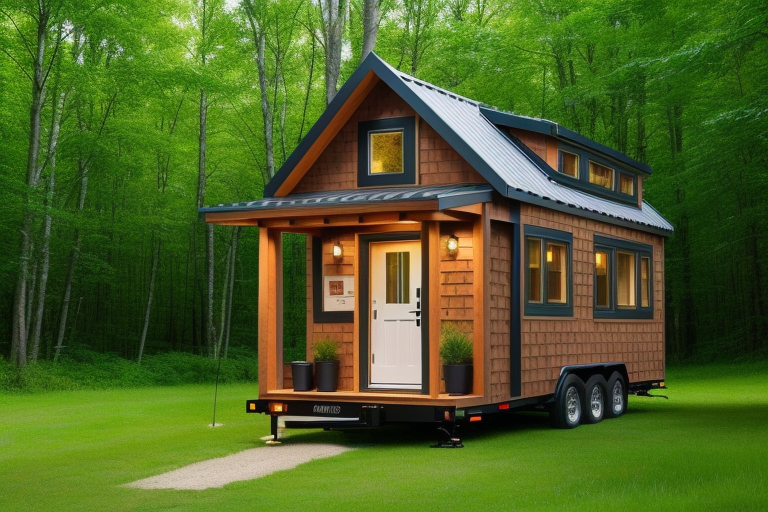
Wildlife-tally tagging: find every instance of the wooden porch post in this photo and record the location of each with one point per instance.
(270, 310)
(430, 234)
(482, 290)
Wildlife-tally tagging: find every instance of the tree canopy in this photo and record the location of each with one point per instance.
(119, 117)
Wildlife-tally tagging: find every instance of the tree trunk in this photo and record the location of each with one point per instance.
(371, 21)
(235, 236)
(155, 259)
(46, 249)
(75, 255)
(334, 15)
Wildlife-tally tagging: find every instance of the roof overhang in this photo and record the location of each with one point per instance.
(352, 207)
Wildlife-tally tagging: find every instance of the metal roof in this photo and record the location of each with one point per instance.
(480, 142)
(447, 196)
(466, 126)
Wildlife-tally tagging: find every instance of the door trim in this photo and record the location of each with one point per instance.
(364, 298)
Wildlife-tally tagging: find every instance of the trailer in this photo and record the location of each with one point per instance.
(422, 208)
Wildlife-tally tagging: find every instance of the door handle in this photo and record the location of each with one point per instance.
(417, 311)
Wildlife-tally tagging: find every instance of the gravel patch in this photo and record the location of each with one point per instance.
(246, 465)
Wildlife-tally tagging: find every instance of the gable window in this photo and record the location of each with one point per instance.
(600, 175)
(626, 184)
(622, 279)
(386, 152)
(548, 281)
(569, 164)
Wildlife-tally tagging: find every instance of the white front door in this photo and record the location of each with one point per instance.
(395, 269)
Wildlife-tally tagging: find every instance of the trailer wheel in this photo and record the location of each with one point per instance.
(594, 405)
(567, 410)
(617, 396)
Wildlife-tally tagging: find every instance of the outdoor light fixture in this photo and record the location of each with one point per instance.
(452, 246)
(549, 255)
(338, 254)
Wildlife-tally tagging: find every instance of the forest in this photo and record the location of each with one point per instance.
(120, 118)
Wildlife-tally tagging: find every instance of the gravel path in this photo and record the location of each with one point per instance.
(246, 465)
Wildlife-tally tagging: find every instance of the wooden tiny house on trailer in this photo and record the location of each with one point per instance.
(555, 266)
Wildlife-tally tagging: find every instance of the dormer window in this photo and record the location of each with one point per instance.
(386, 152)
(600, 175)
(627, 184)
(569, 164)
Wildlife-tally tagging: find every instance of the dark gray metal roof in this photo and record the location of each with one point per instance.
(463, 124)
(447, 196)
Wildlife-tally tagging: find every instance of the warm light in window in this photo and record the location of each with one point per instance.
(599, 259)
(549, 256)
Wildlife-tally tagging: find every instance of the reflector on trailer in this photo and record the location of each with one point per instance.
(473, 419)
(276, 407)
(503, 407)
(252, 406)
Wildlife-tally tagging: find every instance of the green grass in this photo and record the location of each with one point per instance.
(706, 448)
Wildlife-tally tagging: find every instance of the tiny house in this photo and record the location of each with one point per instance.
(423, 208)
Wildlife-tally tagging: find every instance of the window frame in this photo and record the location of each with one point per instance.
(545, 308)
(406, 125)
(612, 247)
(560, 163)
(582, 182)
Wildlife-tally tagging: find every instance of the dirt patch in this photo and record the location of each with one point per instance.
(246, 465)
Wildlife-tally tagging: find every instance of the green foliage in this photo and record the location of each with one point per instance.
(326, 350)
(455, 345)
(87, 369)
(708, 454)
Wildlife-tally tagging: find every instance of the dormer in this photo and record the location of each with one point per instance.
(573, 160)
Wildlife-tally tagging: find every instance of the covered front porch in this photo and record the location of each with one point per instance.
(370, 255)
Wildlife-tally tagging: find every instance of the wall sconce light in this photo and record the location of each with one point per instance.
(452, 246)
(338, 253)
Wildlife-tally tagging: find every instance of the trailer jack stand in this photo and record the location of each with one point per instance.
(449, 439)
(273, 425)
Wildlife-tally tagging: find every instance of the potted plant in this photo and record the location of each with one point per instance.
(302, 375)
(327, 364)
(456, 352)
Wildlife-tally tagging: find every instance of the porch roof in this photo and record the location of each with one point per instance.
(383, 199)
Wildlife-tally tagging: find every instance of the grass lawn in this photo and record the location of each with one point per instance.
(706, 448)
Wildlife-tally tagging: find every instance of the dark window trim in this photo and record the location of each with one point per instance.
(551, 235)
(582, 182)
(611, 246)
(560, 152)
(408, 176)
(318, 315)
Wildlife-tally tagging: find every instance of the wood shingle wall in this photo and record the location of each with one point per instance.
(548, 344)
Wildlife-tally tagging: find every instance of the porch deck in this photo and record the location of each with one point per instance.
(376, 397)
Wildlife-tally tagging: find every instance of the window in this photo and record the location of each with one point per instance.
(622, 283)
(386, 152)
(398, 277)
(600, 175)
(627, 184)
(548, 272)
(569, 164)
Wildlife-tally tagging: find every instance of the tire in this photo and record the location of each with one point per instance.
(617, 396)
(567, 411)
(595, 399)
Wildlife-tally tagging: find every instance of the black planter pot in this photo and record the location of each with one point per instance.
(458, 379)
(327, 375)
(302, 376)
